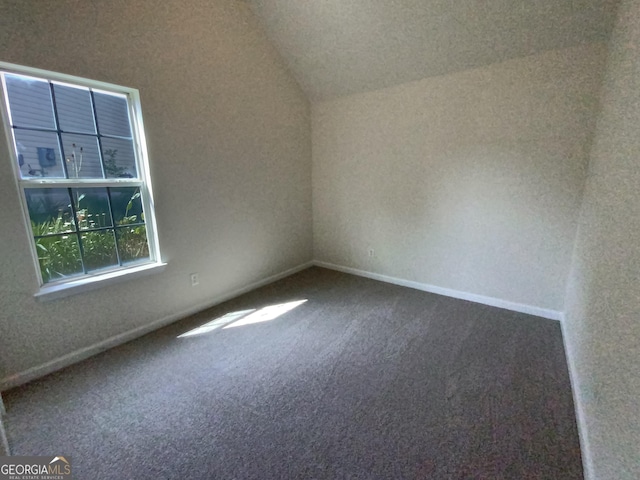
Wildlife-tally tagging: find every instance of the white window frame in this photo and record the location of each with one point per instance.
(88, 281)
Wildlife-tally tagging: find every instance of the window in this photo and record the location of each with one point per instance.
(80, 163)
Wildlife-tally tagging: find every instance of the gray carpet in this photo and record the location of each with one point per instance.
(364, 380)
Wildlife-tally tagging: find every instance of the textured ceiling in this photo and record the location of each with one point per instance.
(338, 47)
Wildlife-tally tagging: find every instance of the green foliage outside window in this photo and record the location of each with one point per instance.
(59, 251)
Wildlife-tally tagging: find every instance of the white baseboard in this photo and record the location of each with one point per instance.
(84, 353)
(472, 297)
(4, 443)
(587, 461)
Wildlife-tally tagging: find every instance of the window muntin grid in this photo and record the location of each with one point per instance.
(91, 168)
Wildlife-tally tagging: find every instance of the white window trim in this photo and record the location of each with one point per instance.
(54, 291)
(78, 284)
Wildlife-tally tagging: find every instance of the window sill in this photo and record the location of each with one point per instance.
(86, 284)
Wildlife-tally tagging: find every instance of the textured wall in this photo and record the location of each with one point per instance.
(602, 329)
(470, 181)
(338, 47)
(228, 132)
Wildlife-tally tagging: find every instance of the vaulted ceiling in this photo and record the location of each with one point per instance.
(339, 47)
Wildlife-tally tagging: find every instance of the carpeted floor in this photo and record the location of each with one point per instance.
(364, 380)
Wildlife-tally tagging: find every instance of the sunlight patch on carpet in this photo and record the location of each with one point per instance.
(217, 323)
(267, 313)
(244, 317)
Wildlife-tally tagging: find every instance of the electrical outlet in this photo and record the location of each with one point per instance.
(195, 280)
(372, 253)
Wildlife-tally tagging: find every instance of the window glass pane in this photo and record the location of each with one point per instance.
(82, 156)
(38, 154)
(59, 256)
(119, 159)
(92, 207)
(75, 148)
(49, 210)
(113, 114)
(127, 205)
(99, 249)
(132, 243)
(30, 102)
(75, 112)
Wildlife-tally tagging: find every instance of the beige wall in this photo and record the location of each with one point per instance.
(470, 181)
(602, 326)
(228, 132)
